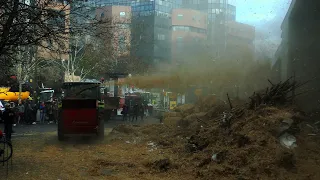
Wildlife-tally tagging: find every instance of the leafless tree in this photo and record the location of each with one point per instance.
(40, 23)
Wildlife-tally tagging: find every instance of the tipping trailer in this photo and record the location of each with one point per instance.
(79, 113)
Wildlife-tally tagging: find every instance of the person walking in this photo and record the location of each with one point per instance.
(20, 113)
(8, 118)
(28, 112)
(34, 112)
(125, 110)
(50, 113)
(42, 112)
(135, 112)
(141, 111)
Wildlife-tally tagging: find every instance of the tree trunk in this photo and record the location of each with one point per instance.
(20, 91)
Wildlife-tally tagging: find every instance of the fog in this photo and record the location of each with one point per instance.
(237, 76)
(266, 16)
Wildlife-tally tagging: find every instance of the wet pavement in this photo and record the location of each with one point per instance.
(24, 130)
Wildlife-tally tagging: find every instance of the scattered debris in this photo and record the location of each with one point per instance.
(288, 141)
(258, 141)
(219, 157)
(151, 146)
(161, 165)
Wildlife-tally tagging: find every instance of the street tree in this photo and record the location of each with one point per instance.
(36, 24)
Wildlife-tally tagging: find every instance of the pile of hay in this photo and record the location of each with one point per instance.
(193, 138)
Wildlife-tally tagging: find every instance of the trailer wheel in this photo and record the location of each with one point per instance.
(61, 136)
(100, 132)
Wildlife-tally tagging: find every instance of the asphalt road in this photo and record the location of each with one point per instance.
(24, 130)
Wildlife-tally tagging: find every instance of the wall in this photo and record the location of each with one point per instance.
(57, 52)
(298, 54)
(239, 40)
(117, 20)
(189, 29)
(303, 51)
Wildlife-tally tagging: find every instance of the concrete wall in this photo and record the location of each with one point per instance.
(189, 28)
(304, 51)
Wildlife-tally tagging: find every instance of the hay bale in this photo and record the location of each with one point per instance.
(171, 121)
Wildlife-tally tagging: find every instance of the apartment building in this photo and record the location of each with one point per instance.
(115, 28)
(240, 40)
(57, 50)
(189, 28)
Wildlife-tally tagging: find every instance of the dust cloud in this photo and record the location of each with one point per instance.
(237, 77)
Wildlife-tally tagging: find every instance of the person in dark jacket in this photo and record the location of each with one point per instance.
(141, 111)
(8, 118)
(28, 112)
(50, 113)
(125, 111)
(135, 112)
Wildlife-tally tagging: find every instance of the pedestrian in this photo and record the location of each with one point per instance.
(135, 112)
(28, 112)
(20, 113)
(125, 110)
(8, 118)
(141, 111)
(50, 112)
(34, 112)
(42, 112)
(55, 111)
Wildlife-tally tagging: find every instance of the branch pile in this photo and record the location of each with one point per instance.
(277, 94)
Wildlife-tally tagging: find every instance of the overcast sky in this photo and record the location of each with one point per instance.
(265, 15)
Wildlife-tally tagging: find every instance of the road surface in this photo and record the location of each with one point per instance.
(24, 130)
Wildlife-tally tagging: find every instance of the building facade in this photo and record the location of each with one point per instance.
(298, 54)
(54, 50)
(188, 27)
(158, 27)
(115, 31)
(240, 40)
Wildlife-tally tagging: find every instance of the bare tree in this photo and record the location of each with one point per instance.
(26, 64)
(40, 23)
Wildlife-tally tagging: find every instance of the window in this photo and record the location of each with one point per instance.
(122, 14)
(124, 26)
(102, 15)
(179, 42)
(180, 16)
(161, 37)
(121, 42)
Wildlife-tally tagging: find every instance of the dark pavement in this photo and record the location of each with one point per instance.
(24, 130)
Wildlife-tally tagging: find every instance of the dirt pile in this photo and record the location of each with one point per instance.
(214, 142)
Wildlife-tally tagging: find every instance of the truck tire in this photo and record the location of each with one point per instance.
(61, 136)
(100, 132)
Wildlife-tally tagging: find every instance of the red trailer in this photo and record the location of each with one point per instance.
(80, 113)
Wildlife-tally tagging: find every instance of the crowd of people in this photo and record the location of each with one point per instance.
(26, 112)
(132, 113)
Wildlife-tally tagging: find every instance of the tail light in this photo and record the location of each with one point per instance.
(1, 134)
